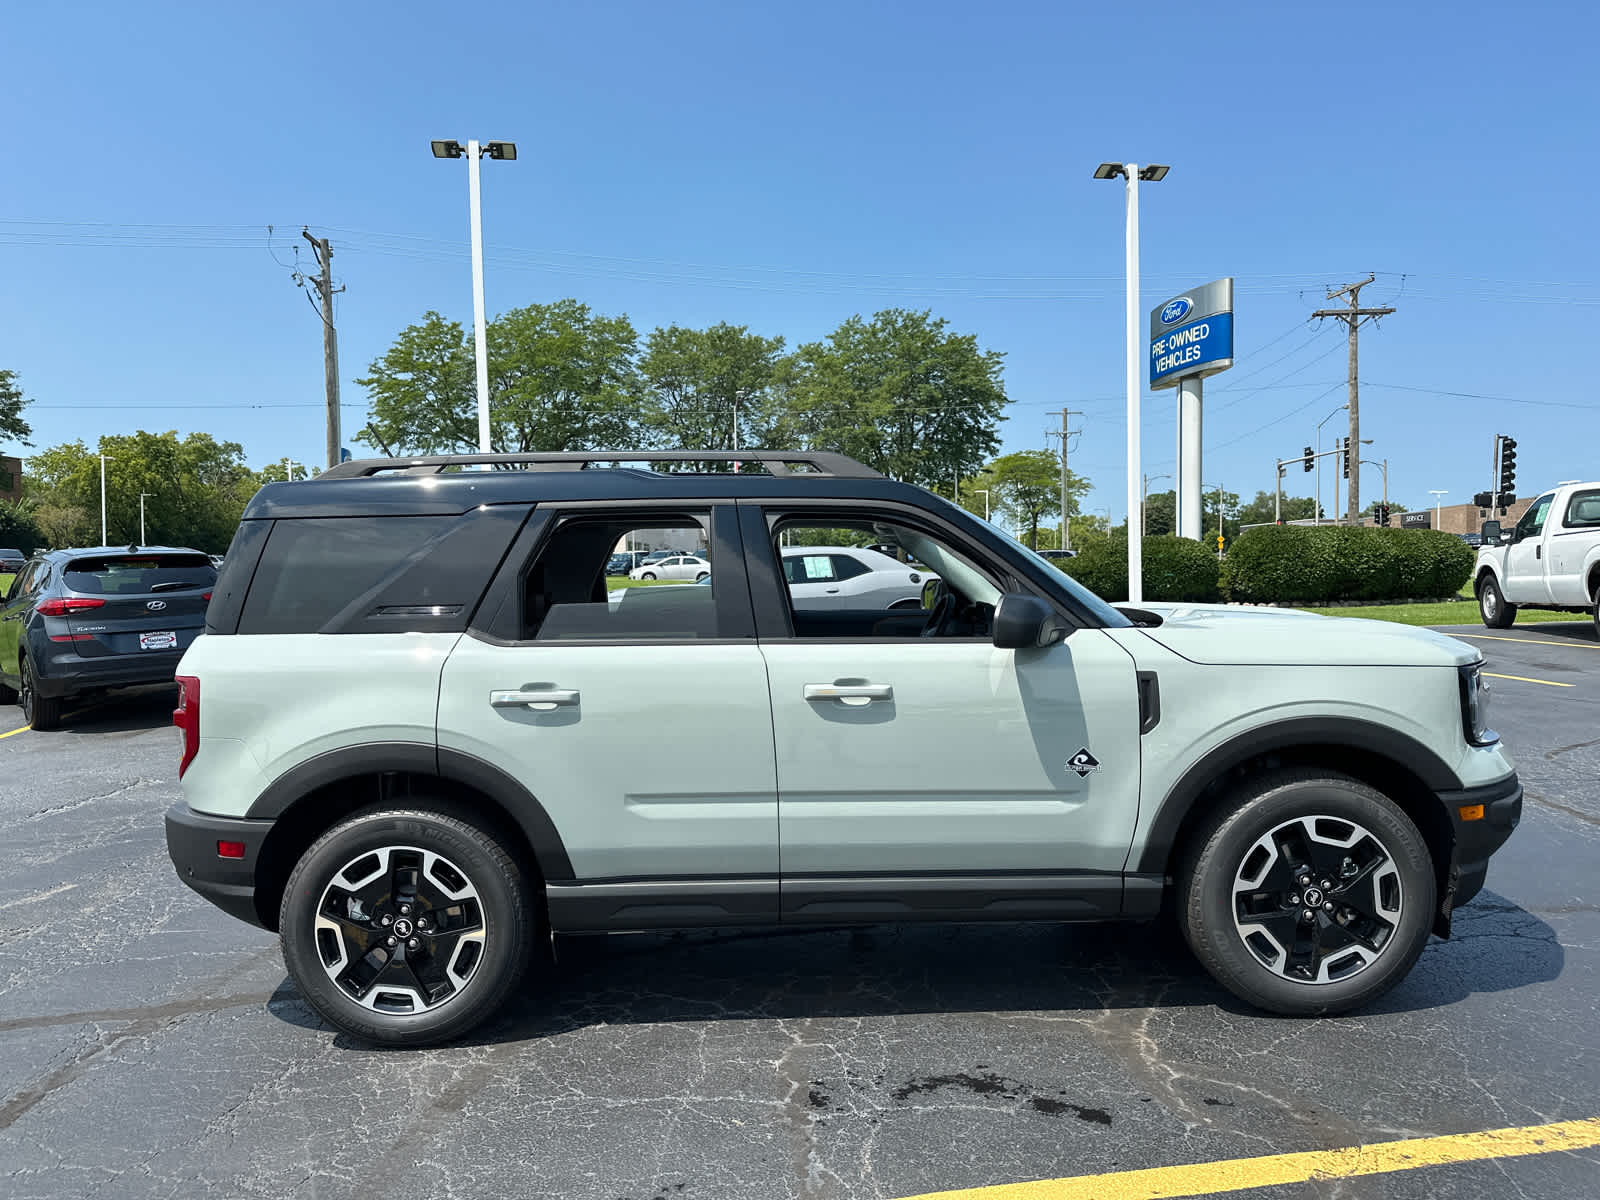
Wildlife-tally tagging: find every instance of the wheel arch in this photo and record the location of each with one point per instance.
(308, 800)
(1399, 766)
(1485, 571)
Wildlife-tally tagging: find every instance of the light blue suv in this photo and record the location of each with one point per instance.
(400, 728)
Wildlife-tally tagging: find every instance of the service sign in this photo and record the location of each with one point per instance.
(1192, 334)
(1416, 520)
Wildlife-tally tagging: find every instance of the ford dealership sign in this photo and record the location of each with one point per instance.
(1192, 334)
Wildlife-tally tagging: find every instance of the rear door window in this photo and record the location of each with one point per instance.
(139, 575)
(1583, 510)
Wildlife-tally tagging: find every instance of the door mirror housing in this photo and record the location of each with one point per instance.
(931, 591)
(1024, 622)
(1491, 533)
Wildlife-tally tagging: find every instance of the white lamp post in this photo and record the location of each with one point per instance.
(1437, 503)
(142, 496)
(103, 458)
(506, 151)
(985, 492)
(1316, 512)
(1133, 173)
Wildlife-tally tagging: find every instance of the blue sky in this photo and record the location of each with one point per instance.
(786, 166)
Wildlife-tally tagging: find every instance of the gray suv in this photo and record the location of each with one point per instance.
(400, 728)
(76, 623)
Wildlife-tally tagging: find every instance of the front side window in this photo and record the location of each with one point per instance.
(1532, 522)
(567, 597)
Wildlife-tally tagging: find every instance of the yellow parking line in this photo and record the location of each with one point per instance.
(14, 732)
(1238, 1174)
(1489, 637)
(1525, 679)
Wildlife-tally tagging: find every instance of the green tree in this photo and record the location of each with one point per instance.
(195, 489)
(1260, 510)
(696, 380)
(12, 426)
(1029, 487)
(901, 394)
(560, 378)
(19, 527)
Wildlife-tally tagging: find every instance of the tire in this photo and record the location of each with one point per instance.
(648, 575)
(43, 713)
(1338, 960)
(398, 866)
(1597, 618)
(702, 575)
(1496, 613)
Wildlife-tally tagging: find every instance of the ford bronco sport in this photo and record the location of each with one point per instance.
(399, 728)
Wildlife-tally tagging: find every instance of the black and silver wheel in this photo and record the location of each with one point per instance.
(1496, 613)
(647, 575)
(406, 927)
(1313, 894)
(41, 712)
(702, 575)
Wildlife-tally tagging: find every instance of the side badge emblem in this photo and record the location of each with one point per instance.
(1083, 762)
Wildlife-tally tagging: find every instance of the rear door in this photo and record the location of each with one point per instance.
(594, 700)
(147, 603)
(14, 616)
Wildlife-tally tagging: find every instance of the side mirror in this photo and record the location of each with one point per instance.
(1024, 622)
(930, 593)
(1491, 533)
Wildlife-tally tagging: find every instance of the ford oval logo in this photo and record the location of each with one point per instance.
(155, 605)
(1176, 310)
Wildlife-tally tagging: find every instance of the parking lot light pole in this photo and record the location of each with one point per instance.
(1316, 510)
(1437, 509)
(103, 458)
(1384, 467)
(142, 496)
(505, 151)
(985, 492)
(1133, 174)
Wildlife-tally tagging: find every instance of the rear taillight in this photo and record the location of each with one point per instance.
(72, 637)
(206, 596)
(187, 718)
(61, 606)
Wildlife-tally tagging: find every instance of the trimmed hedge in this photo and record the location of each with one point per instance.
(1174, 569)
(1300, 564)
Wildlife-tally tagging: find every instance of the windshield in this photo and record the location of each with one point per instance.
(1097, 607)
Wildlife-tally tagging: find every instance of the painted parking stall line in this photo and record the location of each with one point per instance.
(1525, 679)
(1490, 637)
(1241, 1174)
(14, 732)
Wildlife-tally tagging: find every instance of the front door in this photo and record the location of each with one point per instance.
(922, 770)
(635, 721)
(1525, 566)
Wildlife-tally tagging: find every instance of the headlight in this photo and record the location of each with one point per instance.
(1475, 706)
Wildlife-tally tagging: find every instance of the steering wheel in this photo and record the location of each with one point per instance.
(939, 614)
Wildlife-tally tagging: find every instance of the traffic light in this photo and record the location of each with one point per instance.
(1308, 460)
(1508, 465)
(1483, 499)
(1347, 458)
(1383, 515)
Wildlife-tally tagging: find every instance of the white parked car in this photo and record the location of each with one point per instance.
(846, 577)
(679, 566)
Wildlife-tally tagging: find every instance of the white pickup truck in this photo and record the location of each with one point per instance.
(1551, 559)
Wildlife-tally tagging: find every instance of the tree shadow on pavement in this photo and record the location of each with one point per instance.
(888, 970)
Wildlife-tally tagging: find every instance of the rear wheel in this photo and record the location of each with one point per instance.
(41, 712)
(702, 575)
(1311, 894)
(1497, 614)
(407, 927)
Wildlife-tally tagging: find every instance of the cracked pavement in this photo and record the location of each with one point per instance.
(151, 1046)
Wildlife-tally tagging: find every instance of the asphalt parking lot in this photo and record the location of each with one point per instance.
(151, 1046)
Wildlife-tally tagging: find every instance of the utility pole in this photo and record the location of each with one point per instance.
(323, 249)
(1066, 524)
(1277, 493)
(1353, 316)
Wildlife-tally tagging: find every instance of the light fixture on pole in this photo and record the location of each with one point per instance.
(1382, 466)
(1438, 511)
(103, 540)
(1143, 496)
(472, 152)
(1133, 173)
(142, 496)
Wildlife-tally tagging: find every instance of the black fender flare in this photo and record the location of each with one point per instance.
(1402, 752)
(421, 758)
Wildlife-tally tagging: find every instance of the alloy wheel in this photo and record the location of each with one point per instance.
(1317, 899)
(400, 930)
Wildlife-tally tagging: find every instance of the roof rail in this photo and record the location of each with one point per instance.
(782, 463)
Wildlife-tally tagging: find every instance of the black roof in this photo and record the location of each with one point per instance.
(419, 487)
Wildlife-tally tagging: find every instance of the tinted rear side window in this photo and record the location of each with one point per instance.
(138, 575)
(377, 574)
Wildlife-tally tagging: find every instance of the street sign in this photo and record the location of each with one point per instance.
(344, 453)
(1416, 520)
(1192, 334)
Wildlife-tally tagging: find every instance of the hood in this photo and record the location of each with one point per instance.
(1219, 636)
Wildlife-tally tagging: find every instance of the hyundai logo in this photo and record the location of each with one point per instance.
(1176, 310)
(155, 605)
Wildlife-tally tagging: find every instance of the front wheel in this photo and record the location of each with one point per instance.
(1312, 893)
(407, 927)
(648, 575)
(1497, 614)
